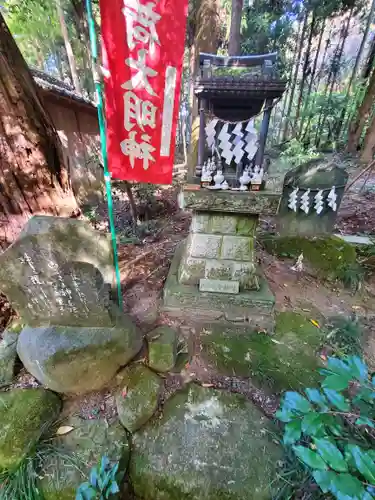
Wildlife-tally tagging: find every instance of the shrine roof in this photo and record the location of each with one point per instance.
(53, 86)
(254, 86)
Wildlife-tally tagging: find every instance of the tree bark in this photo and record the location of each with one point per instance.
(357, 126)
(335, 71)
(342, 120)
(313, 72)
(204, 33)
(68, 47)
(305, 69)
(33, 176)
(368, 149)
(295, 78)
(370, 60)
(234, 48)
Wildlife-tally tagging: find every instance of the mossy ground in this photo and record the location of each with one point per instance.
(330, 256)
(286, 360)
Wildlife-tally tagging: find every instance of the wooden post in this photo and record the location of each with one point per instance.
(264, 132)
(202, 138)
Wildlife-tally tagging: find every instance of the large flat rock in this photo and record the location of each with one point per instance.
(208, 445)
(72, 359)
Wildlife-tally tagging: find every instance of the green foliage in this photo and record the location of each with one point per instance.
(330, 429)
(144, 192)
(352, 275)
(297, 154)
(92, 214)
(102, 482)
(345, 335)
(23, 482)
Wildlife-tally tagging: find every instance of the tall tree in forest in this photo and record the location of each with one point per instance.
(203, 31)
(300, 43)
(359, 122)
(333, 76)
(368, 148)
(306, 69)
(234, 48)
(341, 122)
(304, 127)
(68, 47)
(33, 176)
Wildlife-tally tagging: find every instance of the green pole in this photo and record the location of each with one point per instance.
(103, 141)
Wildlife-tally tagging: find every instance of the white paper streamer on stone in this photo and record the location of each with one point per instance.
(251, 145)
(250, 127)
(319, 204)
(211, 132)
(305, 201)
(298, 266)
(293, 198)
(332, 197)
(225, 144)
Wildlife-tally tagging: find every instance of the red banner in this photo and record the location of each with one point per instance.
(143, 46)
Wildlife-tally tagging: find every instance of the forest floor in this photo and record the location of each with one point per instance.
(145, 256)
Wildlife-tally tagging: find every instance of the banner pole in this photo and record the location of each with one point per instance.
(103, 142)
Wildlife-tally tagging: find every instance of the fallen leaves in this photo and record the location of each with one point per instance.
(64, 429)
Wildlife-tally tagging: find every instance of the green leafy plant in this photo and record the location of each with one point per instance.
(91, 214)
(102, 482)
(23, 482)
(331, 430)
(345, 335)
(352, 275)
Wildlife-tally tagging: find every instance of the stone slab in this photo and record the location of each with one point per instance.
(204, 246)
(60, 271)
(218, 269)
(237, 248)
(206, 445)
(355, 240)
(255, 306)
(203, 200)
(315, 175)
(219, 286)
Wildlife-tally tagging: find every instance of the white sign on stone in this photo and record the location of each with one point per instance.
(219, 286)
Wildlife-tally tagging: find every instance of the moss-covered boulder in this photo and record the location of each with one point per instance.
(208, 445)
(78, 359)
(330, 255)
(162, 349)
(24, 415)
(286, 360)
(138, 397)
(75, 453)
(8, 356)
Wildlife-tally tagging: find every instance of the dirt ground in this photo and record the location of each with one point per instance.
(144, 266)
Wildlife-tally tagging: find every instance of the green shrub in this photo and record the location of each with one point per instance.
(102, 482)
(331, 429)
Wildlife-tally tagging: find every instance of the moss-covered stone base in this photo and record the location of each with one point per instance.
(286, 360)
(255, 308)
(24, 415)
(207, 445)
(328, 255)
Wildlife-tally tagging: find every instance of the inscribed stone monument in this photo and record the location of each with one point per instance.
(59, 272)
(58, 277)
(312, 195)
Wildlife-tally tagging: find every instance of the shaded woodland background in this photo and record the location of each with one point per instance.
(326, 52)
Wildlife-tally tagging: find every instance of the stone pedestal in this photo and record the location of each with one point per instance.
(213, 276)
